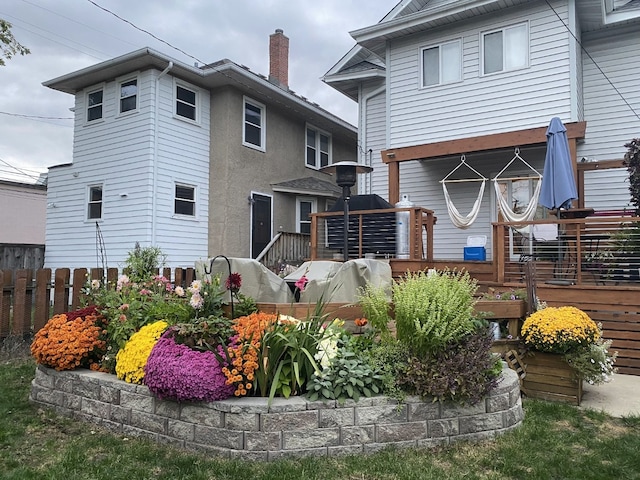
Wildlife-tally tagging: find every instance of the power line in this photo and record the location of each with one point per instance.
(145, 31)
(19, 170)
(594, 62)
(35, 116)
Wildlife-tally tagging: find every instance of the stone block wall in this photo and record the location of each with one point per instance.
(251, 429)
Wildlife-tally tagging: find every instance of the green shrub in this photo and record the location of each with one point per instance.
(374, 302)
(143, 262)
(433, 309)
(465, 371)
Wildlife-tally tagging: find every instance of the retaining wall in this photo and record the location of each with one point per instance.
(250, 429)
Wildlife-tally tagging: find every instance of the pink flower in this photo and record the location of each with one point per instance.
(122, 318)
(196, 301)
(124, 307)
(144, 291)
(300, 284)
(234, 282)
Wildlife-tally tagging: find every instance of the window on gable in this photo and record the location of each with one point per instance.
(254, 128)
(128, 95)
(506, 49)
(318, 148)
(185, 200)
(186, 102)
(306, 206)
(94, 204)
(94, 105)
(442, 64)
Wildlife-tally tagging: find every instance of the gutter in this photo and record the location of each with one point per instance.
(154, 181)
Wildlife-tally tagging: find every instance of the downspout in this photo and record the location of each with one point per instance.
(154, 179)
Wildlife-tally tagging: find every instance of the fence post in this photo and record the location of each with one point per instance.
(5, 301)
(61, 291)
(43, 299)
(79, 280)
(22, 303)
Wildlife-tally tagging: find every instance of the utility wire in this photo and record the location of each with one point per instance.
(35, 116)
(594, 62)
(18, 170)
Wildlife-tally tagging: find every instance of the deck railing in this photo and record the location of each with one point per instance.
(286, 248)
(404, 233)
(598, 250)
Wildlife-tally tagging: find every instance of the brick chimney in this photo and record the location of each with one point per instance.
(279, 59)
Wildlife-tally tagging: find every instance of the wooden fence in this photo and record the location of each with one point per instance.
(14, 256)
(29, 298)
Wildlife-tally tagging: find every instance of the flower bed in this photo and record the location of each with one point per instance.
(251, 429)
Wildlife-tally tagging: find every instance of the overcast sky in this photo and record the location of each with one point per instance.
(67, 35)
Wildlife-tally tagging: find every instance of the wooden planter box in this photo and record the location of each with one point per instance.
(510, 310)
(549, 377)
(502, 309)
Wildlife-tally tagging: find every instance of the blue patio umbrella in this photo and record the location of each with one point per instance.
(558, 183)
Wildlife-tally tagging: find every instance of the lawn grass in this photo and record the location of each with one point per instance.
(555, 442)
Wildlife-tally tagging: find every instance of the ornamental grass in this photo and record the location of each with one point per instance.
(69, 341)
(559, 330)
(130, 361)
(176, 372)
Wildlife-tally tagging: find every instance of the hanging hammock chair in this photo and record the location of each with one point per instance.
(459, 220)
(507, 212)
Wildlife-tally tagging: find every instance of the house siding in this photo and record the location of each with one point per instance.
(375, 131)
(23, 210)
(482, 104)
(118, 152)
(610, 122)
(607, 189)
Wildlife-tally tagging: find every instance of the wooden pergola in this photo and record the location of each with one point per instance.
(520, 138)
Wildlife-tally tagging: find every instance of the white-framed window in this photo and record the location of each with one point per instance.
(318, 148)
(254, 124)
(442, 63)
(185, 200)
(505, 49)
(305, 206)
(94, 104)
(186, 102)
(128, 92)
(94, 202)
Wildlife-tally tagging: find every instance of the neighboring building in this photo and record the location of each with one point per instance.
(23, 208)
(198, 161)
(439, 79)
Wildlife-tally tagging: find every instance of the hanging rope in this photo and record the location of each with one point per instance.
(505, 208)
(458, 220)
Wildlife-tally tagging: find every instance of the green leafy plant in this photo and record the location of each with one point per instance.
(433, 309)
(349, 376)
(204, 334)
(374, 302)
(632, 162)
(143, 262)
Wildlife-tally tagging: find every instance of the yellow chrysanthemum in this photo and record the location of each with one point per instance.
(559, 329)
(130, 361)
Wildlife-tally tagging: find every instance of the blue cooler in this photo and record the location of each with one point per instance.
(475, 249)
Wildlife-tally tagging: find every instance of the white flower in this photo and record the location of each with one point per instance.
(196, 301)
(287, 319)
(95, 284)
(195, 287)
(179, 291)
(327, 350)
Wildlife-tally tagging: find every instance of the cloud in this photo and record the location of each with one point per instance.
(65, 36)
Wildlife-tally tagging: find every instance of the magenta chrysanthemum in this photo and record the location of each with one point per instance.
(176, 372)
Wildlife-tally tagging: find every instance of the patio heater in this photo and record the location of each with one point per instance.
(346, 173)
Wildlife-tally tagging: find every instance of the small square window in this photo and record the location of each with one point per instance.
(94, 105)
(506, 49)
(186, 103)
(94, 206)
(185, 200)
(442, 64)
(128, 95)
